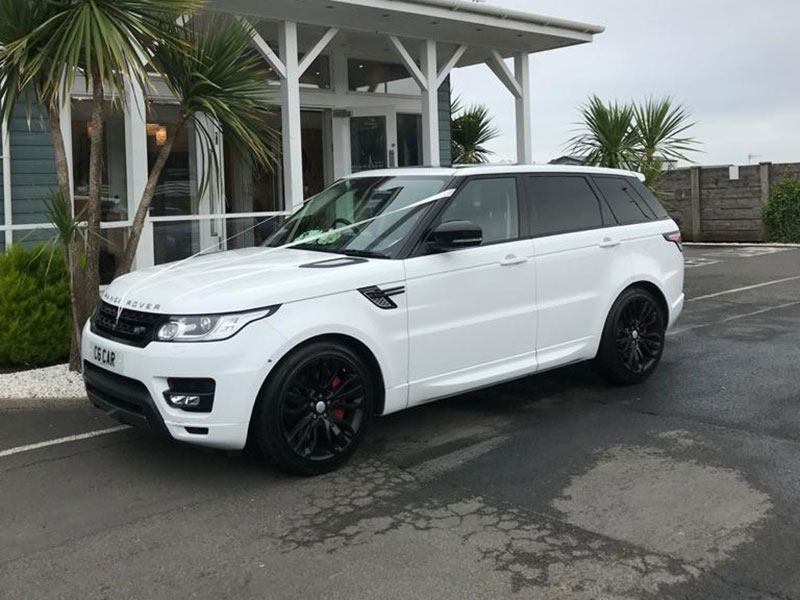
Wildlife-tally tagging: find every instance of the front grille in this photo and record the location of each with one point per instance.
(132, 327)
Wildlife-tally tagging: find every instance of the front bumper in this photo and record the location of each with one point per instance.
(133, 392)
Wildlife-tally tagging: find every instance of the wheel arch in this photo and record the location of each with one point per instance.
(640, 282)
(353, 344)
(659, 295)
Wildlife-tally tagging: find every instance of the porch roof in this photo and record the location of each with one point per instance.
(476, 25)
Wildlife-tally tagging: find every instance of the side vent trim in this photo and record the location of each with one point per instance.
(382, 298)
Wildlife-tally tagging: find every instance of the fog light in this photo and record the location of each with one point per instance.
(191, 394)
(182, 401)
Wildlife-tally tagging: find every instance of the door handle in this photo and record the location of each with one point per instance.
(609, 243)
(511, 260)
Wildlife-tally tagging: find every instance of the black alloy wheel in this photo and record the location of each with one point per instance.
(639, 336)
(322, 408)
(633, 337)
(315, 408)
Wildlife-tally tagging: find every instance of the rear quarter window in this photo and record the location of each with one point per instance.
(651, 199)
(625, 200)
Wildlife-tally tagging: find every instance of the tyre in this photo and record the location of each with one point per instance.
(314, 410)
(633, 338)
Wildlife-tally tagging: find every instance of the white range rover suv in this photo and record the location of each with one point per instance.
(388, 290)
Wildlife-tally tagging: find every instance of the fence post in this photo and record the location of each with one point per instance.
(696, 210)
(765, 169)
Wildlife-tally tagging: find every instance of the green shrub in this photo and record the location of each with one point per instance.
(35, 316)
(782, 212)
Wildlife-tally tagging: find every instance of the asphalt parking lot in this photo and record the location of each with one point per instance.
(556, 486)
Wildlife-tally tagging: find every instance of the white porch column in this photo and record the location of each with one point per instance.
(137, 170)
(523, 109)
(519, 84)
(290, 116)
(430, 105)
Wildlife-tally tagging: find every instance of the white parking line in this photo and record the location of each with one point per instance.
(760, 311)
(64, 440)
(744, 289)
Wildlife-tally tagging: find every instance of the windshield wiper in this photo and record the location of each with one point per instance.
(363, 253)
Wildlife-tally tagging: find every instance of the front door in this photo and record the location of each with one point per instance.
(373, 139)
(471, 312)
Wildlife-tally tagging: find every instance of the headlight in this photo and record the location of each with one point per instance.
(209, 328)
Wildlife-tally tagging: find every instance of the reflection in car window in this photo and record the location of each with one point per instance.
(378, 208)
(489, 203)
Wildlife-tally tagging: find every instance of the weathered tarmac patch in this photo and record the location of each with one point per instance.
(696, 513)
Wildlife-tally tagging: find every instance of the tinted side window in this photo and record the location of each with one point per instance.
(626, 203)
(562, 204)
(489, 203)
(651, 200)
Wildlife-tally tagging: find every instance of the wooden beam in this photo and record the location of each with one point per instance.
(266, 52)
(312, 54)
(412, 67)
(450, 65)
(504, 74)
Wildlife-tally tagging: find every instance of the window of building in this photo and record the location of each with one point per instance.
(376, 77)
(114, 192)
(563, 204)
(175, 191)
(316, 77)
(625, 202)
(491, 204)
(409, 140)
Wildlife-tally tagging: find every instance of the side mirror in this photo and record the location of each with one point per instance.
(454, 235)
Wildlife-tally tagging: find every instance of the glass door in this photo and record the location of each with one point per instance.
(373, 138)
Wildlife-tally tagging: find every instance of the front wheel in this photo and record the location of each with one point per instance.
(633, 338)
(314, 410)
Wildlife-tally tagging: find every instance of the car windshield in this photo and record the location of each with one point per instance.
(367, 216)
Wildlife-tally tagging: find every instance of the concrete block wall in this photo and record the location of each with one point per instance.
(709, 206)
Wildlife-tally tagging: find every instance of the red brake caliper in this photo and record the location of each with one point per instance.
(337, 412)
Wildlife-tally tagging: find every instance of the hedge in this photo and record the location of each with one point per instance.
(35, 315)
(782, 213)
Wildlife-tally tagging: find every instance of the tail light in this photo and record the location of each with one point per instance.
(675, 238)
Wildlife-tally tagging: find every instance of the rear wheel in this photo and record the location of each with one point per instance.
(633, 338)
(314, 411)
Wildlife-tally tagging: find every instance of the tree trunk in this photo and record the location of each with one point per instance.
(71, 249)
(95, 189)
(126, 261)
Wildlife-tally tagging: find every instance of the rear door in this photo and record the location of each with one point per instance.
(471, 312)
(578, 260)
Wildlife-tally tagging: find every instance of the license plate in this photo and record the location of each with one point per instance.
(106, 358)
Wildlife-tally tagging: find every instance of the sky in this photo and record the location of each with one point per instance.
(734, 64)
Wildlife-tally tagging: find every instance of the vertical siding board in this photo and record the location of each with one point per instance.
(445, 150)
(33, 170)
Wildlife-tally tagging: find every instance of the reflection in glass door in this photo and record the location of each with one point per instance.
(373, 138)
(368, 147)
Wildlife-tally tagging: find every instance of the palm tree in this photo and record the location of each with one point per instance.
(661, 127)
(113, 43)
(606, 137)
(220, 77)
(641, 137)
(472, 129)
(45, 47)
